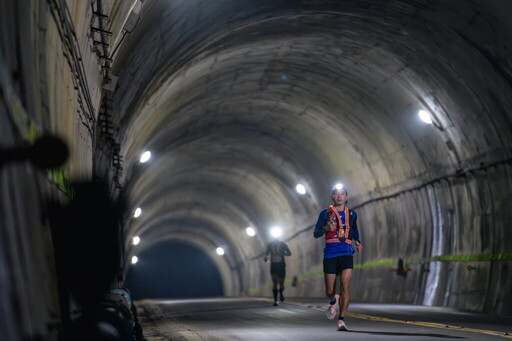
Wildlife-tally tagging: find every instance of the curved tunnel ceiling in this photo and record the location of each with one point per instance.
(241, 100)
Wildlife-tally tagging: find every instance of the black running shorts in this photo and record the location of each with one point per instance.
(337, 264)
(278, 269)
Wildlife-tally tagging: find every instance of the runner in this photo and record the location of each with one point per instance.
(277, 250)
(340, 237)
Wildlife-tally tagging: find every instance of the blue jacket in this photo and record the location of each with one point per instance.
(332, 250)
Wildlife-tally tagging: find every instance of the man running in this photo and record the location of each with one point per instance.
(277, 250)
(341, 235)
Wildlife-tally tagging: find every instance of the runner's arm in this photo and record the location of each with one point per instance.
(286, 250)
(355, 231)
(267, 253)
(355, 234)
(319, 227)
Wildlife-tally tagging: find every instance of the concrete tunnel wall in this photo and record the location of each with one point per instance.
(239, 101)
(213, 103)
(50, 82)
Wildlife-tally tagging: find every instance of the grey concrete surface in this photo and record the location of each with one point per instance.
(304, 319)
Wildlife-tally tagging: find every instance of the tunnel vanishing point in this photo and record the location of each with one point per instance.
(239, 101)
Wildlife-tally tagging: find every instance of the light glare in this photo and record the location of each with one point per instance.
(220, 251)
(137, 212)
(135, 259)
(136, 240)
(250, 231)
(276, 232)
(145, 156)
(338, 186)
(425, 116)
(300, 189)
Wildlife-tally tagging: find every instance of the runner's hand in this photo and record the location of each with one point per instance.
(330, 226)
(333, 225)
(359, 246)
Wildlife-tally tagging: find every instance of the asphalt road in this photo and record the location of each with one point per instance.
(304, 319)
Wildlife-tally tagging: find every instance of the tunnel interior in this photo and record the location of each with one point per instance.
(238, 109)
(174, 269)
(238, 102)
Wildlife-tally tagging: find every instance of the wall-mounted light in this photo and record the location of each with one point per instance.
(135, 259)
(136, 240)
(145, 156)
(137, 212)
(250, 231)
(301, 189)
(220, 251)
(426, 117)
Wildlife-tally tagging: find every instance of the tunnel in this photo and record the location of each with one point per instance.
(240, 101)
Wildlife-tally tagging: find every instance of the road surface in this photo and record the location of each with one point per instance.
(304, 319)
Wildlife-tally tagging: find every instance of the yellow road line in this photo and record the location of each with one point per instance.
(418, 323)
(431, 324)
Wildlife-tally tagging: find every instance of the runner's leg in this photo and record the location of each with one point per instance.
(330, 282)
(275, 281)
(345, 277)
(281, 288)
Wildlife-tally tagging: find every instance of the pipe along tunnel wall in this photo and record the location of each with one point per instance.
(239, 101)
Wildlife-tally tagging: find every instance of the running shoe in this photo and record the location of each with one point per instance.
(331, 309)
(342, 326)
(276, 304)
